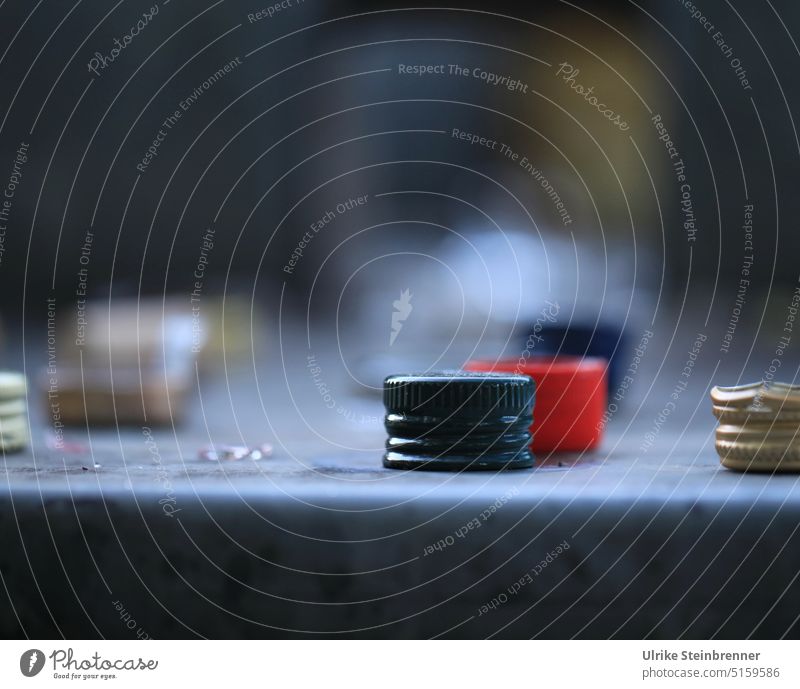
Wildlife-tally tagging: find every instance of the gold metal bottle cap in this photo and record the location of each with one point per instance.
(759, 426)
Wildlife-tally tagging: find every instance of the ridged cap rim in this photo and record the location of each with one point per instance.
(458, 390)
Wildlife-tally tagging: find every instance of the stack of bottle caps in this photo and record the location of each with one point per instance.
(759, 426)
(13, 412)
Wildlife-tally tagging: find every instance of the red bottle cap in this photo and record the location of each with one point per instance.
(571, 398)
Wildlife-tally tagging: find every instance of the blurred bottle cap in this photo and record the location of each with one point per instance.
(12, 385)
(571, 398)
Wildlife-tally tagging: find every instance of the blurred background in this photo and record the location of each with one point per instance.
(293, 166)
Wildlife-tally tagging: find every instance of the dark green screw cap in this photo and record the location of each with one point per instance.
(458, 420)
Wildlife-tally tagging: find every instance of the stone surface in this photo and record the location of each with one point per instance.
(321, 540)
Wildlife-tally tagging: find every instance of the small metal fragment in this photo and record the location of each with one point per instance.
(261, 452)
(224, 453)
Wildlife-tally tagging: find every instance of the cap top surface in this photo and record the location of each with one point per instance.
(458, 376)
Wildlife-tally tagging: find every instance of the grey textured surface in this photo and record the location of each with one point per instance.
(321, 540)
